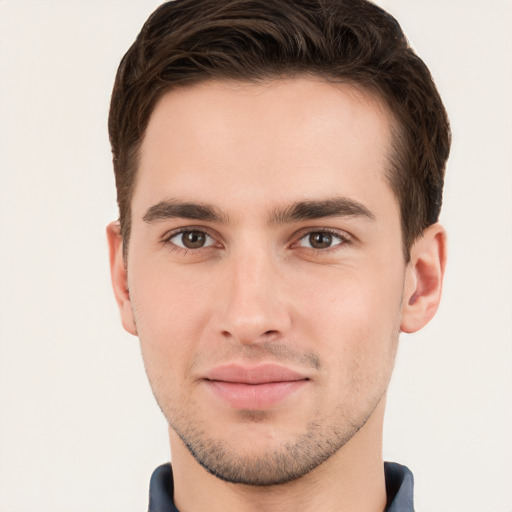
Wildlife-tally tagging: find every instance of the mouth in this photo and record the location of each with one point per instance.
(254, 387)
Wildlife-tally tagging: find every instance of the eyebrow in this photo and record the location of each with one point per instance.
(299, 211)
(333, 207)
(171, 209)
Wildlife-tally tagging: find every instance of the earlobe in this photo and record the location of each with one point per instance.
(119, 277)
(424, 279)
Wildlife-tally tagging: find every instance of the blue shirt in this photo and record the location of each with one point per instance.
(399, 488)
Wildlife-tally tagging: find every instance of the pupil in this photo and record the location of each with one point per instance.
(193, 239)
(320, 240)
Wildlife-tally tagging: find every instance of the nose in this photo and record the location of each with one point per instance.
(253, 306)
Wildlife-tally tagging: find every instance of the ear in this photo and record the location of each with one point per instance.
(119, 277)
(424, 279)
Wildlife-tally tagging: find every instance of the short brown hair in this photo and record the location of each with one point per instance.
(185, 42)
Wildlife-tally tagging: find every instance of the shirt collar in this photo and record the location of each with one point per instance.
(399, 488)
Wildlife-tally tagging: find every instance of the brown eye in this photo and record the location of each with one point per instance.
(323, 240)
(320, 240)
(193, 239)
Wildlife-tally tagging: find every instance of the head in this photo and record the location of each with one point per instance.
(353, 42)
(279, 168)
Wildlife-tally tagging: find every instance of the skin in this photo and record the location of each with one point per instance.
(323, 294)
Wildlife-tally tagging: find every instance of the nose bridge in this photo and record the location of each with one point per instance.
(253, 305)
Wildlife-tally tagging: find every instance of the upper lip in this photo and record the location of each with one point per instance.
(259, 374)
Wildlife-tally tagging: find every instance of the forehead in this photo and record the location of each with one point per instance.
(297, 137)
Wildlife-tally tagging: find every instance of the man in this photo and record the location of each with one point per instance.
(279, 169)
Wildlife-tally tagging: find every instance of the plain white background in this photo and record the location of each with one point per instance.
(79, 430)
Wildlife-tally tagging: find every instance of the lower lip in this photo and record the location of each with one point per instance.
(254, 396)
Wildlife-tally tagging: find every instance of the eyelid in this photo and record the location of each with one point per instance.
(346, 238)
(168, 235)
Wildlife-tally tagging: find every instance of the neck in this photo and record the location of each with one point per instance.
(351, 480)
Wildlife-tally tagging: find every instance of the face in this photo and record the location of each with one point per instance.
(265, 271)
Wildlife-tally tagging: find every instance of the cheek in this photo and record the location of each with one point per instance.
(170, 312)
(356, 297)
(355, 316)
(355, 330)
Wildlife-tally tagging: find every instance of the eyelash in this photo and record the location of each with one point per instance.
(345, 239)
(173, 247)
